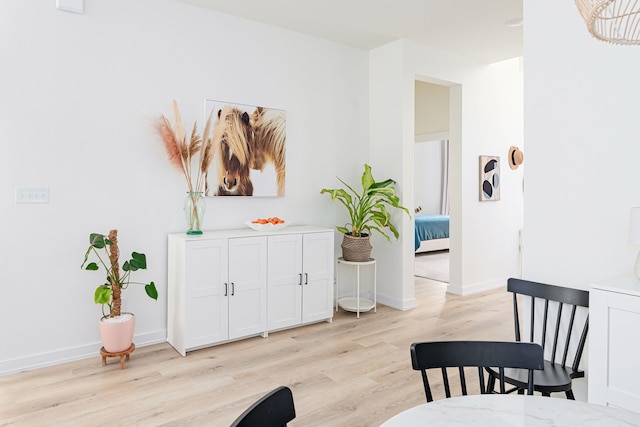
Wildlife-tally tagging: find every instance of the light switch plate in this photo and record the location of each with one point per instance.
(75, 6)
(32, 195)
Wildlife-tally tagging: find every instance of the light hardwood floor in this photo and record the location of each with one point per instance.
(351, 372)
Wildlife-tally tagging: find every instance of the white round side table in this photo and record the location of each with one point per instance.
(355, 302)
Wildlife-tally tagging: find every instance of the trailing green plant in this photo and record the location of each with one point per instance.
(105, 249)
(368, 208)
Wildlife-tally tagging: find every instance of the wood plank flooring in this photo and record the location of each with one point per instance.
(351, 372)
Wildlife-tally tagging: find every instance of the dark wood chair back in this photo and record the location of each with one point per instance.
(275, 409)
(480, 354)
(566, 300)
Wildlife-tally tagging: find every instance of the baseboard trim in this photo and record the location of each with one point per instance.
(403, 305)
(475, 288)
(71, 354)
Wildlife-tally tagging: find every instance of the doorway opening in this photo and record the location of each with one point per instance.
(431, 181)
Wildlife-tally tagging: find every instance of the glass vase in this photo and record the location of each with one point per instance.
(194, 209)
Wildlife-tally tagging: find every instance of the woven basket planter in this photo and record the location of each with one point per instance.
(357, 249)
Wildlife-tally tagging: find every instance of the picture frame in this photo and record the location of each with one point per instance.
(249, 150)
(489, 178)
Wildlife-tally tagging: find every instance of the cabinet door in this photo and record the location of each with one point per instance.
(206, 306)
(613, 349)
(317, 265)
(284, 294)
(247, 286)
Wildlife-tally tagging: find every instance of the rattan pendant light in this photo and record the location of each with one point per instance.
(613, 21)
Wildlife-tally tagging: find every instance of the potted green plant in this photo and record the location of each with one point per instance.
(367, 210)
(116, 328)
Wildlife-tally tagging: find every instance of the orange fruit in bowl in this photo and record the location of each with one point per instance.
(274, 220)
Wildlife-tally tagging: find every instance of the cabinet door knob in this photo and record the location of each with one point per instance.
(306, 278)
(300, 281)
(233, 289)
(226, 289)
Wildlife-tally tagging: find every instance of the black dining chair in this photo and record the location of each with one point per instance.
(274, 409)
(557, 331)
(480, 354)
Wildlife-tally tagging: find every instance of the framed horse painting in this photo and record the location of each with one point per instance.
(249, 145)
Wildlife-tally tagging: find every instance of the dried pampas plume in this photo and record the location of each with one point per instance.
(170, 142)
(181, 151)
(206, 156)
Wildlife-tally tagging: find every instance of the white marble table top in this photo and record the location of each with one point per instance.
(512, 410)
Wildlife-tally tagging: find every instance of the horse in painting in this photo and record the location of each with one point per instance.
(246, 142)
(232, 139)
(269, 137)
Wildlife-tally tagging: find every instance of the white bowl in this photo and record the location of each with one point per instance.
(266, 227)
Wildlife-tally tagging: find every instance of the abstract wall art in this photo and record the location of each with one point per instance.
(489, 178)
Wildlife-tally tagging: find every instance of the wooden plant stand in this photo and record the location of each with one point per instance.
(122, 355)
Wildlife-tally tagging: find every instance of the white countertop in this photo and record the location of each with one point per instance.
(626, 284)
(498, 410)
(248, 232)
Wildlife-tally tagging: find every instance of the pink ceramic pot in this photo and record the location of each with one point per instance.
(117, 335)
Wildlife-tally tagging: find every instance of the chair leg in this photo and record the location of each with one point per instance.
(569, 394)
(491, 384)
(546, 393)
(520, 391)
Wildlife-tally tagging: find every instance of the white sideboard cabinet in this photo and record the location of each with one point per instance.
(231, 284)
(614, 348)
(300, 284)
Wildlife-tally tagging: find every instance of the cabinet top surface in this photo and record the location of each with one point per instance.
(248, 232)
(626, 284)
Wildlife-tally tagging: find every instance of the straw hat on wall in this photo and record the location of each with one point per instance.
(516, 157)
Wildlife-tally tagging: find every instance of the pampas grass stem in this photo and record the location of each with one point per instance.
(181, 152)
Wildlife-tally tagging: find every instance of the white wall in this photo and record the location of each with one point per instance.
(581, 134)
(428, 176)
(431, 109)
(486, 118)
(79, 97)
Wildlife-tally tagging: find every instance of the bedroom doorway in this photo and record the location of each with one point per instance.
(431, 218)
(431, 186)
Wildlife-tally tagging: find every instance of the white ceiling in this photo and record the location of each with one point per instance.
(474, 28)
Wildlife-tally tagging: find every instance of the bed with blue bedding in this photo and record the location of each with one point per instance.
(432, 232)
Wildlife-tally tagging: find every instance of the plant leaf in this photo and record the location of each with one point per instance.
(367, 177)
(97, 240)
(387, 183)
(137, 261)
(343, 230)
(151, 290)
(102, 295)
